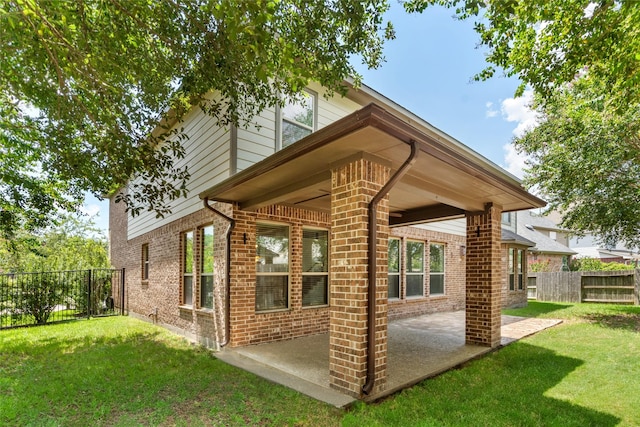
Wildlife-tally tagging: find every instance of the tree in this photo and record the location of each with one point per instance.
(582, 58)
(549, 43)
(585, 161)
(75, 244)
(91, 88)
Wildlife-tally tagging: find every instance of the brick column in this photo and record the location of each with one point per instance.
(354, 184)
(484, 267)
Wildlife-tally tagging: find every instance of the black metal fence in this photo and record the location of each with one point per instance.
(39, 298)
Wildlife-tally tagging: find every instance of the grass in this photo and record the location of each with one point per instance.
(582, 373)
(120, 371)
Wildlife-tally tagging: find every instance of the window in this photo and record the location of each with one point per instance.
(515, 267)
(506, 218)
(206, 267)
(436, 269)
(315, 267)
(272, 267)
(145, 261)
(394, 268)
(415, 269)
(519, 269)
(297, 119)
(511, 268)
(187, 268)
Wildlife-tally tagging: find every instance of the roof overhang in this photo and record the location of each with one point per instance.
(444, 183)
(512, 238)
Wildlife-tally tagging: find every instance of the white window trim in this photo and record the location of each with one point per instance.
(407, 274)
(279, 119)
(439, 273)
(399, 272)
(146, 267)
(183, 264)
(287, 274)
(201, 274)
(318, 273)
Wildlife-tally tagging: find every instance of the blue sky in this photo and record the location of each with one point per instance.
(428, 70)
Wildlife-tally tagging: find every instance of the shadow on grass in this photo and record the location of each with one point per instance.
(510, 387)
(624, 321)
(537, 309)
(138, 375)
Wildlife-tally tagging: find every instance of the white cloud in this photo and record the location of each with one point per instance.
(90, 210)
(588, 11)
(491, 112)
(514, 162)
(517, 110)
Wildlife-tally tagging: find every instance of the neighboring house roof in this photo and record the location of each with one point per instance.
(599, 253)
(538, 221)
(543, 244)
(509, 236)
(446, 181)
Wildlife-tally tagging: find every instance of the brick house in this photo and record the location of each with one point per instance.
(304, 223)
(550, 243)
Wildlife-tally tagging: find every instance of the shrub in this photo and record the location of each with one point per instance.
(539, 266)
(39, 297)
(594, 264)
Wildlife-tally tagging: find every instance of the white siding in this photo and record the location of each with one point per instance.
(332, 109)
(258, 140)
(207, 155)
(457, 227)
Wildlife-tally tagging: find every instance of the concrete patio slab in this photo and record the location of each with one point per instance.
(418, 348)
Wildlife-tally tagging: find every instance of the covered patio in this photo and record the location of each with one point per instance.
(370, 171)
(418, 348)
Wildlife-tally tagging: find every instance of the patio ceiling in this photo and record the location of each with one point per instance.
(446, 181)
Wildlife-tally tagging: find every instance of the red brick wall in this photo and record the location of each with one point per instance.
(454, 295)
(484, 276)
(161, 293)
(553, 263)
(163, 289)
(249, 327)
(353, 186)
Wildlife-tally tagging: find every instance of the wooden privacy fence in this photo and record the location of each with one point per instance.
(619, 287)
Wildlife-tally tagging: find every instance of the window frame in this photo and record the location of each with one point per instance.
(280, 119)
(438, 273)
(144, 266)
(398, 273)
(506, 218)
(408, 271)
(201, 304)
(324, 273)
(183, 264)
(515, 268)
(520, 268)
(287, 274)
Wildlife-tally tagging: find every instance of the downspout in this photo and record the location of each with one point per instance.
(373, 265)
(227, 304)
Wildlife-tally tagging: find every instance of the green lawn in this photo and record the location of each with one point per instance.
(585, 372)
(120, 371)
(124, 372)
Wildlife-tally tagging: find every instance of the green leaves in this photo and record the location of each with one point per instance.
(585, 160)
(99, 75)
